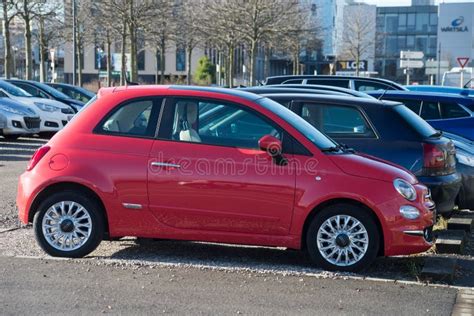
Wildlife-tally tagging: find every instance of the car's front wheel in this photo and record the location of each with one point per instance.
(68, 224)
(343, 237)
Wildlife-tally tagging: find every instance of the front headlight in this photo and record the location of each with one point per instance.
(405, 189)
(47, 107)
(464, 159)
(9, 109)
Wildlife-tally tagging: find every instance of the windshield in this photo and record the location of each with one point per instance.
(14, 90)
(315, 136)
(55, 93)
(416, 122)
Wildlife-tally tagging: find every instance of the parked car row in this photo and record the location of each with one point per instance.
(345, 176)
(29, 107)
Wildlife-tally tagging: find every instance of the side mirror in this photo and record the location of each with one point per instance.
(271, 145)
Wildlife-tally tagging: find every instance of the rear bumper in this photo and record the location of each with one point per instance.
(466, 194)
(444, 190)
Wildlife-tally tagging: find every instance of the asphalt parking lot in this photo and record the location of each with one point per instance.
(243, 279)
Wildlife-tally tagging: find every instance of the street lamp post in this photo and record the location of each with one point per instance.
(74, 43)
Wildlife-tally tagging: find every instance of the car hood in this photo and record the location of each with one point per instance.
(23, 109)
(365, 166)
(34, 100)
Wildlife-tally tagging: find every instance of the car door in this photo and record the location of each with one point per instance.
(208, 174)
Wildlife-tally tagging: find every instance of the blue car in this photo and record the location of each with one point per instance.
(442, 89)
(445, 112)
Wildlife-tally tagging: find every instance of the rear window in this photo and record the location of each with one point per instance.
(452, 110)
(362, 85)
(343, 83)
(417, 123)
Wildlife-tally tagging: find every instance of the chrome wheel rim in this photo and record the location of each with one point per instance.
(342, 240)
(67, 225)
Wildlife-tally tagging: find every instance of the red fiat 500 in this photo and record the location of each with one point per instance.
(217, 165)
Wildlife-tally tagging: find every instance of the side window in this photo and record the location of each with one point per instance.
(136, 118)
(217, 123)
(293, 81)
(430, 111)
(363, 85)
(452, 110)
(337, 121)
(342, 83)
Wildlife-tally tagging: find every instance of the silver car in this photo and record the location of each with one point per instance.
(17, 120)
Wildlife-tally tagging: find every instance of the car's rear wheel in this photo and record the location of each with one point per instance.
(343, 237)
(68, 224)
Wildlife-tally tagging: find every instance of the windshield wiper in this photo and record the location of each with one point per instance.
(338, 148)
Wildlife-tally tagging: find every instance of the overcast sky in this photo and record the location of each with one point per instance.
(386, 3)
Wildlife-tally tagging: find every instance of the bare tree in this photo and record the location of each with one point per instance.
(49, 32)
(28, 11)
(359, 33)
(260, 19)
(8, 14)
(301, 34)
(161, 32)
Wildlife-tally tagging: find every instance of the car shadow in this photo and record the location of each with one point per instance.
(222, 256)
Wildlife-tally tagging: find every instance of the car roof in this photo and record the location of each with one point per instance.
(333, 77)
(228, 91)
(310, 87)
(282, 89)
(333, 99)
(422, 95)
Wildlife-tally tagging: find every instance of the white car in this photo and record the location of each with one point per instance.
(54, 115)
(17, 120)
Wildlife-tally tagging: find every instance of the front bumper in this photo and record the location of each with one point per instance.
(404, 236)
(444, 190)
(15, 124)
(53, 121)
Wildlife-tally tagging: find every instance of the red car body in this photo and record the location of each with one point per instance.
(256, 208)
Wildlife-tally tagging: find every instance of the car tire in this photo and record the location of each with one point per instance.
(350, 246)
(68, 224)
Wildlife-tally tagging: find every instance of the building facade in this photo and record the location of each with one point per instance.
(410, 28)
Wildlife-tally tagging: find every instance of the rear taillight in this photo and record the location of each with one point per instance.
(433, 157)
(37, 157)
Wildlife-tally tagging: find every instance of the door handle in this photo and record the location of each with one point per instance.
(165, 164)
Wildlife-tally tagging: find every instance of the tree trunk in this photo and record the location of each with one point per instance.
(28, 54)
(357, 62)
(79, 64)
(133, 56)
(162, 63)
(109, 60)
(157, 70)
(267, 62)
(188, 64)
(6, 41)
(42, 50)
(231, 65)
(253, 57)
(123, 71)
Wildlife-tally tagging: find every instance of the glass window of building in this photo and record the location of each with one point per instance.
(402, 22)
(402, 42)
(433, 22)
(410, 21)
(180, 58)
(422, 22)
(392, 47)
(410, 42)
(432, 42)
(421, 43)
(391, 23)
